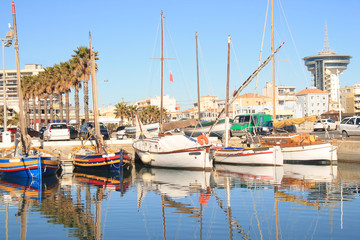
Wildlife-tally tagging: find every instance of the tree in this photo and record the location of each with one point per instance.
(81, 60)
(121, 111)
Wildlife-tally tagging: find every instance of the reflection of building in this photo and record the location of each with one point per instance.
(326, 67)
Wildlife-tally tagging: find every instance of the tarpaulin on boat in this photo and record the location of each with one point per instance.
(179, 124)
(291, 121)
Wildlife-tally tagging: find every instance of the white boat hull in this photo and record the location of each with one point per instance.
(323, 153)
(174, 152)
(250, 156)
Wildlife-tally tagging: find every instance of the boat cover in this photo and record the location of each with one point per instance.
(291, 121)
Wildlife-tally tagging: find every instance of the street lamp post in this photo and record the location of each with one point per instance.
(6, 42)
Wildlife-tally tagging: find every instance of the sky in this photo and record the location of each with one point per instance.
(126, 35)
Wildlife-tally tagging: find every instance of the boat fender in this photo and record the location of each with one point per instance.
(146, 158)
(202, 139)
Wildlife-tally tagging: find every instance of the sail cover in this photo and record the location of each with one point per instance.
(179, 124)
(291, 121)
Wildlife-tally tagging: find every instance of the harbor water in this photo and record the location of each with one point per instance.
(231, 202)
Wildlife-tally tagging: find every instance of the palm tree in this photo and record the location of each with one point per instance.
(75, 82)
(82, 68)
(132, 112)
(65, 80)
(121, 111)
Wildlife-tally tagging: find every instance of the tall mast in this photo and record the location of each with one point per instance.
(94, 92)
(24, 140)
(162, 72)
(197, 71)
(273, 60)
(227, 96)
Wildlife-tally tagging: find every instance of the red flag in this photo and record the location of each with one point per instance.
(171, 77)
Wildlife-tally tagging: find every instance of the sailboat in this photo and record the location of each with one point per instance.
(298, 147)
(170, 149)
(251, 155)
(98, 157)
(202, 127)
(23, 160)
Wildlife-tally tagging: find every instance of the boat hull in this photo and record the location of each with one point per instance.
(29, 166)
(101, 162)
(270, 156)
(323, 153)
(191, 159)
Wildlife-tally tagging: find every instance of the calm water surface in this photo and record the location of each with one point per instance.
(232, 202)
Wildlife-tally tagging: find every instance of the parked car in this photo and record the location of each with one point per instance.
(12, 130)
(323, 124)
(267, 128)
(32, 132)
(350, 126)
(41, 132)
(57, 131)
(120, 133)
(73, 132)
(84, 133)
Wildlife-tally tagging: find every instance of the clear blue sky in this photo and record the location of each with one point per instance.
(126, 35)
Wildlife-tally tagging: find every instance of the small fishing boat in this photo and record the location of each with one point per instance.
(270, 156)
(22, 160)
(303, 148)
(98, 156)
(170, 149)
(250, 155)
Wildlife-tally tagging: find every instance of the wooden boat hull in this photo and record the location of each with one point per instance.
(173, 151)
(322, 153)
(29, 166)
(101, 162)
(190, 159)
(270, 156)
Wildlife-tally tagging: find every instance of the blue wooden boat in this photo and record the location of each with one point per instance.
(38, 164)
(85, 157)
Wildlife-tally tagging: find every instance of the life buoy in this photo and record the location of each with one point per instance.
(202, 139)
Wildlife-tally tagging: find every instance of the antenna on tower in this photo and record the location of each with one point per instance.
(326, 49)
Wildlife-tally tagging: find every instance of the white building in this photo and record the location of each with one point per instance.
(168, 103)
(311, 102)
(12, 100)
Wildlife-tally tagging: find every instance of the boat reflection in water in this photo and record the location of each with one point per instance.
(25, 192)
(184, 193)
(113, 181)
(268, 174)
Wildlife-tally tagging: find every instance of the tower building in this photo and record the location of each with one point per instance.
(326, 67)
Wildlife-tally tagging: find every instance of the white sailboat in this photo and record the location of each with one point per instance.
(172, 150)
(299, 147)
(248, 156)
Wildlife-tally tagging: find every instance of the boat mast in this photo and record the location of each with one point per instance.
(227, 96)
(197, 71)
(273, 61)
(94, 93)
(24, 140)
(162, 73)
